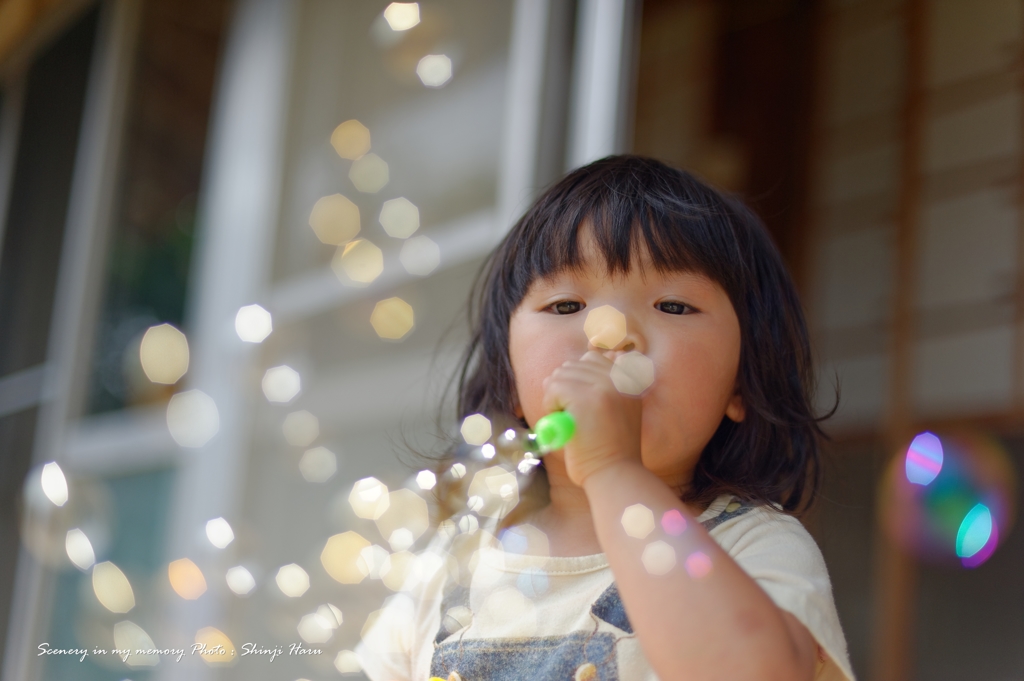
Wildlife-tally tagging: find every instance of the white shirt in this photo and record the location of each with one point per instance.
(521, 617)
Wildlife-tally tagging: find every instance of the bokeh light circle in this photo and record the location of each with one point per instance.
(163, 353)
(253, 323)
(369, 173)
(420, 255)
(392, 318)
(434, 70)
(351, 140)
(335, 219)
(401, 16)
(192, 418)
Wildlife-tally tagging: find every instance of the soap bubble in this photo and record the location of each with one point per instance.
(192, 418)
(605, 327)
(420, 255)
(55, 485)
(401, 16)
(632, 373)
(476, 429)
(658, 558)
(434, 70)
(638, 521)
(281, 383)
(351, 140)
(949, 497)
(219, 532)
(292, 580)
(253, 323)
(426, 480)
(240, 580)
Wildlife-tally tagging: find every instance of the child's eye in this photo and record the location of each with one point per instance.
(566, 307)
(672, 307)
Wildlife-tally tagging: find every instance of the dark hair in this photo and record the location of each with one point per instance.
(632, 202)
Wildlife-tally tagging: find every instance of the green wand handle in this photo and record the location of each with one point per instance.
(554, 431)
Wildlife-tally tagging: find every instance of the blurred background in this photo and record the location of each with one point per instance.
(238, 236)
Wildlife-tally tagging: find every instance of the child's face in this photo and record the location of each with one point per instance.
(695, 353)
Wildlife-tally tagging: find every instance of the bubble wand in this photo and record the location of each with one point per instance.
(552, 432)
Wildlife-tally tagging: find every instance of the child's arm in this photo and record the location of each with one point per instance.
(720, 625)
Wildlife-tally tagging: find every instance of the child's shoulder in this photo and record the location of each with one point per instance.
(740, 526)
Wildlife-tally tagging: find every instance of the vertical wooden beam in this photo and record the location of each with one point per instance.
(16, 18)
(896, 571)
(1017, 408)
(26, 26)
(809, 223)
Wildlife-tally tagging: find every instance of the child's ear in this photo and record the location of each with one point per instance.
(735, 409)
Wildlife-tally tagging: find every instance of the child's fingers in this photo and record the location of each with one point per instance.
(561, 389)
(581, 371)
(579, 380)
(593, 366)
(574, 383)
(602, 359)
(598, 363)
(576, 379)
(568, 386)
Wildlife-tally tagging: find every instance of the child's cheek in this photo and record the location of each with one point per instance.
(687, 401)
(535, 353)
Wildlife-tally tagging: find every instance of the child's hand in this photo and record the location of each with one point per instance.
(607, 422)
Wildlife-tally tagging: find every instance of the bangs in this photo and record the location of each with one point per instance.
(671, 223)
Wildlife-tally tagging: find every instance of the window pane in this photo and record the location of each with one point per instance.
(154, 214)
(441, 144)
(54, 97)
(127, 521)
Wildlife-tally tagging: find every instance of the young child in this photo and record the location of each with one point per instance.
(662, 547)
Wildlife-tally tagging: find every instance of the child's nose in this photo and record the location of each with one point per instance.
(607, 328)
(634, 340)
